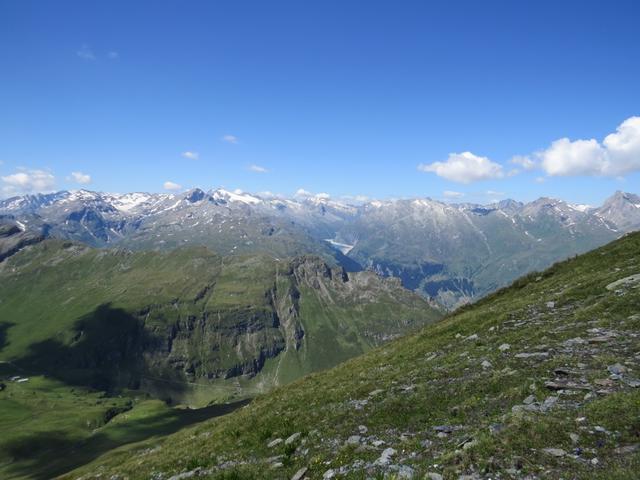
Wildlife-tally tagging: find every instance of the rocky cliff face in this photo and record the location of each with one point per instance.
(13, 238)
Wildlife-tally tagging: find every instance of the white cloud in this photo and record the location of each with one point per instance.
(623, 147)
(617, 155)
(257, 169)
(81, 178)
(464, 167)
(230, 139)
(524, 161)
(355, 198)
(113, 55)
(85, 53)
(540, 179)
(27, 181)
(191, 155)
(495, 193)
(301, 192)
(452, 194)
(581, 157)
(168, 185)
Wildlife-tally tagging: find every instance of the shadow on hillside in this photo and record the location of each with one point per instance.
(105, 351)
(4, 327)
(49, 454)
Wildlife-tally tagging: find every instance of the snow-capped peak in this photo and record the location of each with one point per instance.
(235, 196)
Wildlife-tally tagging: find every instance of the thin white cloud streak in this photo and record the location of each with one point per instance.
(258, 169)
(452, 194)
(191, 155)
(80, 178)
(230, 139)
(85, 53)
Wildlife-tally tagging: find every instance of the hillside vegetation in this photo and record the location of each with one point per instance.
(99, 348)
(539, 380)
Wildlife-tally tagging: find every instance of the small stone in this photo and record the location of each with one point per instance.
(292, 438)
(632, 382)
(469, 445)
(299, 474)
(405, 471)
(529, 400)
(354, 440)
(376, 392)
(575, 438)
(504, 347)
(602, 339)
(362, 429)
(486, 364)
(495, 428)
(551, 304)
(377, 443)
(548, 403)
(532, 355)
(277, 465)
(556, 452)
(433, 476)
(385, 457)
(604, 382)
(180, 476)
(472, 337)
(617, 369)
(627, 449)
(594, 461)
(274, 443)
(329, 474)
(444, 428)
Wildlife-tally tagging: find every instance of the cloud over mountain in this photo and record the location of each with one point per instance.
(464, 167)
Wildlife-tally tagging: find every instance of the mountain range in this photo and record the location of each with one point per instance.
(452, 253)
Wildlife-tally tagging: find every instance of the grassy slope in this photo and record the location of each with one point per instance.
(49, 428)
(56, 330)
(401, 391)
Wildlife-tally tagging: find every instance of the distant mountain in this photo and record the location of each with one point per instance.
(623, 210)
(13, 238)
(450, 252)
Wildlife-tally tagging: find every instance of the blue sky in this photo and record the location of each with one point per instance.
(382, 99)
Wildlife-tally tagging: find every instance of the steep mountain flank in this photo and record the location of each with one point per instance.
(188, 324)
(13, 238)
(539, 380)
